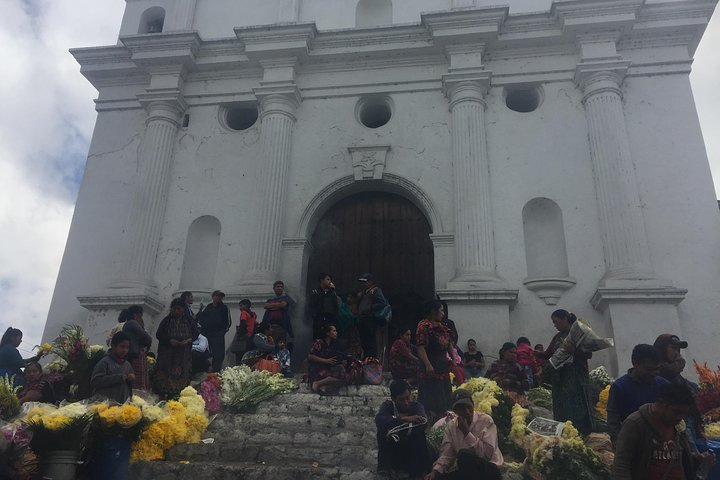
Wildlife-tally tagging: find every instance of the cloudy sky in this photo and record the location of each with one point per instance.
(46, 123)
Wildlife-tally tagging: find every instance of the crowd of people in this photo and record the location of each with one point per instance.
(644, 408)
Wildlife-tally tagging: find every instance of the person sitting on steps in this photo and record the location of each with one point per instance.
(401, 449)
(325, 361)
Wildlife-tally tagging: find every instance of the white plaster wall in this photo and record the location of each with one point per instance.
(94, 247)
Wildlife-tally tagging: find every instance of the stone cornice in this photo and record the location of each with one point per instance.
(285, 40)
(94, 303)
(482, 24)
(505, 37)
(582, 16)
(160, 53)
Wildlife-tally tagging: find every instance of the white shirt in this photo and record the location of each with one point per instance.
(201, 344)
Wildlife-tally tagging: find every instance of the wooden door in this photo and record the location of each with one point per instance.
(383, 234)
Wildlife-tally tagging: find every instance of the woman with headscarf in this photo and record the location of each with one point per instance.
(570, 381)
(175, 335)
(433, 340)
(509, 375)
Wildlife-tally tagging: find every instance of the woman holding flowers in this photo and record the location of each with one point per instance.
(433, 343)
(175, 335)
(570, 381)
(140, 342)
(11, 362)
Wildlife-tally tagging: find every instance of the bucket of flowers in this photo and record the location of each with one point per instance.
(58, 437)
(114, 429)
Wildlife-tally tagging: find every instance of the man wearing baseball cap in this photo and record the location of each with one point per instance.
(471, 437)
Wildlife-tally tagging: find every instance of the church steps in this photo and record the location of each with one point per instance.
(212, 470)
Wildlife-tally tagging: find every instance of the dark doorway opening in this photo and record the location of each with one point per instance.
(386, 235)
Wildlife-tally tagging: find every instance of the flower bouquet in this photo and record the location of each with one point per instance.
(15, 459)
(584, 338)
(177, 421)
(210, 391)
(602, 403)
(563, 457)
(73, 348)
(115, 428)
(243, 389)
(9, 403)
(56, 428)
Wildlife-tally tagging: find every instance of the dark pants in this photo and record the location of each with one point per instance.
(473, 467)
(368, 328)
(409, 455)
(216, 342)
(200, 361)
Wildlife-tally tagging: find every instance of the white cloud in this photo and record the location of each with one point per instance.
(45, 127)
(47, 120)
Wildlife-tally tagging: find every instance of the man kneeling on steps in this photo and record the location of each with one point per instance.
(401, 434)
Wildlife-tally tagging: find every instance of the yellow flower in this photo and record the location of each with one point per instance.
(517, 423)
(56, 423)
(601, 405)
(712, 430)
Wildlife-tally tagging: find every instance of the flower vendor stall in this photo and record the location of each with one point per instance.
(555, 452)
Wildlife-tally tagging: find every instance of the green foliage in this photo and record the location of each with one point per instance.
(571, 463)
(9, 403)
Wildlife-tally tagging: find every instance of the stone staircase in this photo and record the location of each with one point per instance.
(295, 436)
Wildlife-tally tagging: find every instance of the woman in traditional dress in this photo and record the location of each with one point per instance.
(403, 364)
(325, 361)
(433, 341)
(174, 359)
(509, 375)
(264, 345)
(570, 381)
(140, 342)
(36, 388)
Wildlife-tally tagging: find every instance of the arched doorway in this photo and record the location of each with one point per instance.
(381, 233)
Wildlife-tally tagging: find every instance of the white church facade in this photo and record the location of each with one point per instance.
(510, 162)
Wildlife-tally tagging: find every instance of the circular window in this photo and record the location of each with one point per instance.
(522, 100)
(240, 118)
(374, 111)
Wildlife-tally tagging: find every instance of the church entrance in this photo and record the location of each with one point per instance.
(386, 235)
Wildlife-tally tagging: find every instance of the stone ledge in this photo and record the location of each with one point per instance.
(501, 296)
(664, 295)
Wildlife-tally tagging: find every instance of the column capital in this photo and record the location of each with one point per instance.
(597, 77)
(468, 85)
(278, 97)
(167, 105)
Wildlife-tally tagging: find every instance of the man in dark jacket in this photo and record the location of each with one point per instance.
(214, 323)
(323, 304)
(406, 449)
(653, 443)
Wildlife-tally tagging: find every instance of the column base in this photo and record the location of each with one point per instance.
(638, 312)
(549, 289)
(257, 282)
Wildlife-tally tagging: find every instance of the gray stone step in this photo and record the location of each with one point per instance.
(240, 424)
(211, 470)
(336, 455)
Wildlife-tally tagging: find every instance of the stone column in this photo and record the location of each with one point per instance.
(278, 119)
(151, 194)
(624, 238)
(474, 243)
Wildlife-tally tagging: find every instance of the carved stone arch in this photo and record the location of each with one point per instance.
(347, 186)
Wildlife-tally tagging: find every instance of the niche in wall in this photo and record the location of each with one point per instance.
(545, 250)
(201, 254)
(152, 20)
